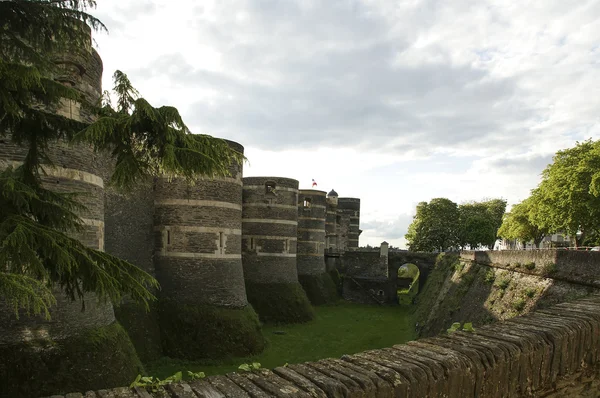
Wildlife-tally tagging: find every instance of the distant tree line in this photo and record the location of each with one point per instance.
(566, 201)
(442, 225)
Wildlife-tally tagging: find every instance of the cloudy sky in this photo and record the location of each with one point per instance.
(392, 101)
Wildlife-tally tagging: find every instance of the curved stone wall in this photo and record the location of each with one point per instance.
(269, 237)
(349, 208)
(198, 236)
(312, 209)
(269, 229)
(312, 212)
(198, 263)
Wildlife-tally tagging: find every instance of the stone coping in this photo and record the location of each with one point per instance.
(538, 354)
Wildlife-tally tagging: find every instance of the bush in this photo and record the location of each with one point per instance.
(279, 302)
(97, 359)
(489, 277)
(519, 304)
(503, 283)
(530, 265)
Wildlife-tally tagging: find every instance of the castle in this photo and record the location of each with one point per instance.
(214, 246)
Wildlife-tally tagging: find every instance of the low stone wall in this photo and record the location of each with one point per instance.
(580, 267)
(550, 353)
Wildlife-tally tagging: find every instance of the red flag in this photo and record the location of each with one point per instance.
(314, 183)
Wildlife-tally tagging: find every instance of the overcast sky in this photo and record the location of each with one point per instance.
(391, 101)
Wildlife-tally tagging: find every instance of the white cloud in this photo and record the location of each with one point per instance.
(391, 101)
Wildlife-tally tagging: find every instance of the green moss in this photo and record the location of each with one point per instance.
(320, 289)
(503, 283)
(142, 327)
(280, 302)
(530, 265)
(97, 359)
(203, 331)
(489, 277)
(530, 292)
(519, 304)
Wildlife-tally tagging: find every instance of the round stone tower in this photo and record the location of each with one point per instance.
(60, 351)
(203, 312)
(312, 212)
(269, 237)
(349, 209)
(331, 238)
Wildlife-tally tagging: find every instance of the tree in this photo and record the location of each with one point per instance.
(37, 250)
(434, 226)
(568, 197)
(479, 222)
(518, 224)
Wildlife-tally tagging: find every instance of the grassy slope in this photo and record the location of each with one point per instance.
(336, 330)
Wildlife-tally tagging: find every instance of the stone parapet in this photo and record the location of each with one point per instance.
(553, 352)
(579, 267)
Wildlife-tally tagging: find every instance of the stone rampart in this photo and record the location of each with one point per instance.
(549, 353)
(580, 267)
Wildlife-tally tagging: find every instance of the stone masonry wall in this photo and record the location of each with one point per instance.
(549, 353)
(311, 232)
(349, 209)
(269, 229)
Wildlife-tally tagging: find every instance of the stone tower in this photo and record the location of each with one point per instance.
(269, 237)
(331, 234)
(349, 212)
(312, 212)
(40, 356)
(198, 263)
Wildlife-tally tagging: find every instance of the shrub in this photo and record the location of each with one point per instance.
(519, 304)
(530, 265)
(489, 277)
(503, 283)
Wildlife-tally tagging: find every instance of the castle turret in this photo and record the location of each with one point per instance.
(331, 237)
(312, 212)
(269, 242)
(349, 212)
(198, 263)
(59, 352)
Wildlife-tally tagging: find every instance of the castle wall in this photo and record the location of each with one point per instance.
(331, 233)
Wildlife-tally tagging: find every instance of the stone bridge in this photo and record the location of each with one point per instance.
(551, 353)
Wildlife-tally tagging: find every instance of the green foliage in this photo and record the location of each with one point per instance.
(319, 289)
(549, 269)
(279, 302)
(568, 197)
(42, 367)
(203, 331)
(434, 226)
(519, 304)
(441, 224)
(530, 265)
(503, 283)
(153, 384)
(467, 327)
(530, 292)
(519, 224)
(147, 141)
(39, 252)
(479, 223)
(490, 276)
(250, 367)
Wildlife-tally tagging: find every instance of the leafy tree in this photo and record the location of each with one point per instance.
(568, 197)
(479, 222)
(434, 226)
(518, 224)
(37, 247)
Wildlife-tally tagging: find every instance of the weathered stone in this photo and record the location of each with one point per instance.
(298, 379)
(204, 389)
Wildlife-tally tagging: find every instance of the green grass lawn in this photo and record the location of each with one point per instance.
(338, 329)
